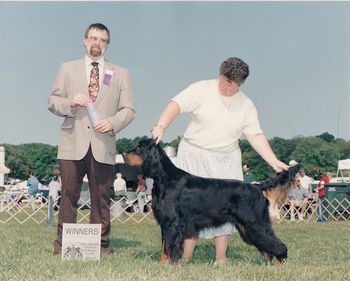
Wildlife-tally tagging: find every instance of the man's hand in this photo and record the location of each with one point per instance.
(104, 126)
(79, 100)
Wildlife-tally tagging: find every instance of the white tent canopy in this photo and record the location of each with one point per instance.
(344, 164)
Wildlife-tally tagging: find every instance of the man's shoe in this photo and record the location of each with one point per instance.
(56, 252)
(292, 218)
(106, 250)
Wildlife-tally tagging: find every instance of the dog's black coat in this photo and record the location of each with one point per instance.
(183, 203)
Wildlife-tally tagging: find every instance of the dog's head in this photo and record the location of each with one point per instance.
(144, 155)
(277, 189)
(281, 179)
(293, 171)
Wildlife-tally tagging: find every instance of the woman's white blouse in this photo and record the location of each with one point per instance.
(217, 122)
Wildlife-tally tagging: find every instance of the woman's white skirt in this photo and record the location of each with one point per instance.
(210, 164)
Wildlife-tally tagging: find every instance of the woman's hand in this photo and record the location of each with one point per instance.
(279, 166)
(167, 117)
(157, 133)
(261, 145)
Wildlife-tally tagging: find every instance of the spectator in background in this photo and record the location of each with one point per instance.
(118, 193)
(325, 179)
(33, 189)
(149, 183)
(119, 185)
(32, 184)
(247, 175)
(55, 189)
(141, 192)
(305, 181)
(298, 198)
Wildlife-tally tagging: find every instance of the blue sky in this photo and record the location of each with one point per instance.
(298, 53)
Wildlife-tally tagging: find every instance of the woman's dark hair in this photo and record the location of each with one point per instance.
(235, 69)
(99, 26)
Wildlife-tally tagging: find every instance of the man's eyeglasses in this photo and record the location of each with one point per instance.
(95, 39)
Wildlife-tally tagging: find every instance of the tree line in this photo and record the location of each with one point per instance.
(316, 154)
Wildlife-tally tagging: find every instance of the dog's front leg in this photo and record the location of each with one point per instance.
(165, 255)
(164, 258)
(172, 242)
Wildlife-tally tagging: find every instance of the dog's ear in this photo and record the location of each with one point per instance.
(294, 169)
(151, 142)
(152, 163)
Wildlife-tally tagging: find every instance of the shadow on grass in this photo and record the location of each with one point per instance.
(122, 243)
(205, 254)
(152, 255)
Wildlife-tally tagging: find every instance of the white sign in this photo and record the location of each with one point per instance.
(81, 241)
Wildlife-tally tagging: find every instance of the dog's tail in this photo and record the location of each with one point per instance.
(278, 188)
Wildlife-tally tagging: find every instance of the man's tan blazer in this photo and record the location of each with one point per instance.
(114, 102)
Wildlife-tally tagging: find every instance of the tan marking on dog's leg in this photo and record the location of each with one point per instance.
(277, 263)
(164, 259)
(241, 228)
(266, 258)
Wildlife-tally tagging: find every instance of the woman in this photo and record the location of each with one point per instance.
(220, 114)
(141, 192)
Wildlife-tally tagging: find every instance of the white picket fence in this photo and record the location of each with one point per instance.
(21, 208)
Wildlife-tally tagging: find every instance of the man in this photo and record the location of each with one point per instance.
(298, 197)
(305, 182)
(83, 148)
(33, 189)
(55, 189)
(33, 184)
(247, 176)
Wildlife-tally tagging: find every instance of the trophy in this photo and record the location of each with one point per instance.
(94, 116)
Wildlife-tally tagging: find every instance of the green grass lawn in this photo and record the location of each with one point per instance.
(316, 252)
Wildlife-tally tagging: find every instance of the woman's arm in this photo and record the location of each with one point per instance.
(261, 145)
(168, 116)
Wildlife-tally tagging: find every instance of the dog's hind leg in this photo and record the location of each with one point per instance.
(243, 233)
(263, 237)
(267, 257)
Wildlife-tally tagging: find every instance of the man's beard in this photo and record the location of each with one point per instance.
(95, 51)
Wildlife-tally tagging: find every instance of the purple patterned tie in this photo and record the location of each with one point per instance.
(94, 81)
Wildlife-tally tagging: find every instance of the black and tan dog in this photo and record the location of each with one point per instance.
(183, 204)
